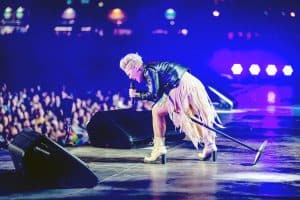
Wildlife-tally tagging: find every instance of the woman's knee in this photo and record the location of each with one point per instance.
(159, 110)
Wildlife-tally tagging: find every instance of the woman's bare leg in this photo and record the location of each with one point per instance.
(159, 113)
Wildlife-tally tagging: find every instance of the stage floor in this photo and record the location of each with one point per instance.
(122, 173)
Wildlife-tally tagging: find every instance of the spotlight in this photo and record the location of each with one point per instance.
(7, 13)
(216, 13)
(69, 14)
(69, 2)
(287, 70)
(183, 31)
(20, 13)
(117, 16)
(271, 70)
(292, 14)
(236, 69)
(170, 14)
(172, 22)
(254, 69)
(100, 4)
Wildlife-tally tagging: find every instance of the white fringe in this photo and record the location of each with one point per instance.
(190, 96)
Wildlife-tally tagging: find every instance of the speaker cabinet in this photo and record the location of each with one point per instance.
(43, 162)
(125, 129)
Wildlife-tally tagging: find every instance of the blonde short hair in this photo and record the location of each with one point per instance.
(131, 60)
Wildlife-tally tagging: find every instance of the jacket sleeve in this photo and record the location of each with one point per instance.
(152, 82)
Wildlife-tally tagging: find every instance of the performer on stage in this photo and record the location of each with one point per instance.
(177, 93)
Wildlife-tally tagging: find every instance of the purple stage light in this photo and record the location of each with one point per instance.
(172, 22)
(230, 35)
(160, 31)
(248, 35)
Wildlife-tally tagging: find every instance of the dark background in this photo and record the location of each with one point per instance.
(86, 62)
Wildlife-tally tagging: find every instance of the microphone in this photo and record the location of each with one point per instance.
(132, 86)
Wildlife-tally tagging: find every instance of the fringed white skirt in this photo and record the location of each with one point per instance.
(190, 98)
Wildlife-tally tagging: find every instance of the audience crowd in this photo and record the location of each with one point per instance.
(61, 115)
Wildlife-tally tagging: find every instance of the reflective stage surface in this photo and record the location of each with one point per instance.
(122, 173)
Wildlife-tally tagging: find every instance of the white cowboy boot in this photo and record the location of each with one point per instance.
(159, 150)
(210, 148)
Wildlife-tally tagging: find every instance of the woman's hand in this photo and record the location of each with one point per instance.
(132, 93)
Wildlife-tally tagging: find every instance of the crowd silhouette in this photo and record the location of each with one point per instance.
(60, 115)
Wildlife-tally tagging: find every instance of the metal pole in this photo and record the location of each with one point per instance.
(221, 133)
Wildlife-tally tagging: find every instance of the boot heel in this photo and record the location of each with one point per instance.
(163, 158)
(208, 156)
(214, 156)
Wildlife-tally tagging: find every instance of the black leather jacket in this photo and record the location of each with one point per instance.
(160, 78)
